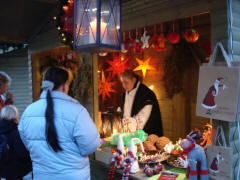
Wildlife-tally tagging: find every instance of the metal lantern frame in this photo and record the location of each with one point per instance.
(98, 45)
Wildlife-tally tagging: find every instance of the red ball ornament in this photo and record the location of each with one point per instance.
(174, 37)
(191, 35)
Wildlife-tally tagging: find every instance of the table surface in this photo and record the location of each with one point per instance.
(99, 171)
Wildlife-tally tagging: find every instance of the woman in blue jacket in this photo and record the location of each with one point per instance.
(58, 132)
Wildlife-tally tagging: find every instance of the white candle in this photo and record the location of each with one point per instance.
(93, 32)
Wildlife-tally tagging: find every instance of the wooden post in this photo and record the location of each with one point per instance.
(95, 91)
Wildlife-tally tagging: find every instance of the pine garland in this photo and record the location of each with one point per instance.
(174, 68)
(66, 37)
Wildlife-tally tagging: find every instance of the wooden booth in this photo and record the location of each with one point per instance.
(180, 36)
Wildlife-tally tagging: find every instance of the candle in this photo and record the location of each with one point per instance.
(93, 32)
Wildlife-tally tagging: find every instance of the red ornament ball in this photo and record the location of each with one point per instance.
(174, 38)
(191, 35)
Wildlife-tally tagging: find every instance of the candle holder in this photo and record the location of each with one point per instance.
(97, 25)
(111, 121)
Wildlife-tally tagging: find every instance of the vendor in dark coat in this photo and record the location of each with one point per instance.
(140, 106)
(19, 163)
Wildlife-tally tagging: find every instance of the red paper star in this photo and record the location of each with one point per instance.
(143, 66)
(118, 66)
(105, 87)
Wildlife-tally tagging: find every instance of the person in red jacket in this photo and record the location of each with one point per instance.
(5, 81)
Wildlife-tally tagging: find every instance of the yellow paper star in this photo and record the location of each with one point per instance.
(143, 66)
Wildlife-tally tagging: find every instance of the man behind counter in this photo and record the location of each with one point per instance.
(139, 105)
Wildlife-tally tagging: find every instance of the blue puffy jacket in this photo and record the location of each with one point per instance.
(77, 134)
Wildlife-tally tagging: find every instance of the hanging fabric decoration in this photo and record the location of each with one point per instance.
(154, 41)
(143, 66)
(123, 45)
(174, 37)
(145, 40)
(105, 87)
(191, 35)
(161, 41)
(129, 45)
(117, 66)
(137, 45)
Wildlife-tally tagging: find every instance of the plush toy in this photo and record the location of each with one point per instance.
(195, 156)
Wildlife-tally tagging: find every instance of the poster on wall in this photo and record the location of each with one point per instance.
(217, 96)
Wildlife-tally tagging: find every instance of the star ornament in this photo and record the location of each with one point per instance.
(105, 87)
(143, 66)
(117, 66)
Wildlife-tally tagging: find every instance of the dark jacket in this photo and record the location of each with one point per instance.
(145, 96)
(19, 163)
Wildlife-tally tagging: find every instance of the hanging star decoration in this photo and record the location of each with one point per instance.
(117, 66)
(143, 66)
(105, 87)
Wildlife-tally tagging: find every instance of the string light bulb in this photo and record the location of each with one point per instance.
(59, 28)
(64, 39)
(54, 17)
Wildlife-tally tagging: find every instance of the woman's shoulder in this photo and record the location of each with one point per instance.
(145, 90)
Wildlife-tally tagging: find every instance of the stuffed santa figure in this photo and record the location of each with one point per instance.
(209, 100)
(215, 163)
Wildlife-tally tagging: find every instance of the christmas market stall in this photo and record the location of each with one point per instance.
(163, 46)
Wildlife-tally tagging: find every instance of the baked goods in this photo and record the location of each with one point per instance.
(152, 138)
(162, 142)
(156, 158)
(149, 146)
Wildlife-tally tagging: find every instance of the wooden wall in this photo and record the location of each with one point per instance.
(82, 85)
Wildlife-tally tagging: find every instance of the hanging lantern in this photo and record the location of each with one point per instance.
(100, 20)
(191, 35)
(174, 38)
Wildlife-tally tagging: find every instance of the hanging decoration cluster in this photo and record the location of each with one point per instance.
(65, 21)
(117, 66)
(157, 41)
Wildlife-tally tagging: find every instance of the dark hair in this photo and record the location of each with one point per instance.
(130, 74)
(58, 76)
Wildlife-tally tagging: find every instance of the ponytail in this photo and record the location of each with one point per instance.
(50, 132)
(54, 78)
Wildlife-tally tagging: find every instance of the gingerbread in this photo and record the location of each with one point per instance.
(149, 146)
(162, 142)
(152, 138)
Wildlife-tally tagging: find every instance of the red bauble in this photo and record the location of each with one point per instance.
(174, 38)
(191, 35)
